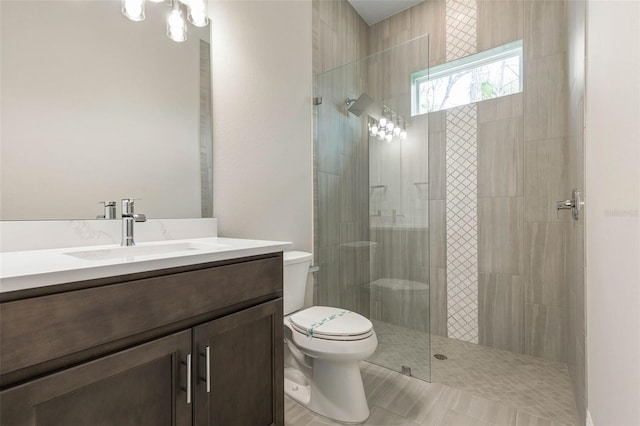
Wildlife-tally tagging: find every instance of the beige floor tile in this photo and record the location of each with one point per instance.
(381, 417)
(489, 385)
(456, 418)
(528, 419)
(375, 379)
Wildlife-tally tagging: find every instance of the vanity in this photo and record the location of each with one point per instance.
(189, 337)
(183, 328)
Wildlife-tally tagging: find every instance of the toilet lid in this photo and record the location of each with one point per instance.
(324, 322)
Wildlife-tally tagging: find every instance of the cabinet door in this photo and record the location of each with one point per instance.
(245, 374)
(140, 386)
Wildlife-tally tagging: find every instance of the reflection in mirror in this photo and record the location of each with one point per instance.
(96, 107)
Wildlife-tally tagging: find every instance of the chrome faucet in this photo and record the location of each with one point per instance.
(128, 219)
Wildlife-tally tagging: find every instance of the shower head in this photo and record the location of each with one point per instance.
(358, 106)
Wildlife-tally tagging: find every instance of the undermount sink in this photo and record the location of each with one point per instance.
(146, 250)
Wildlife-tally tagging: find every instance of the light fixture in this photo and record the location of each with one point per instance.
(195, 11)
(198, 13)
(176, 24)
(133, 9)
(385, 129)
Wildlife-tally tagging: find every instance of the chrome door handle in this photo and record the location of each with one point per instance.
(187, 363)
(207, 359)
(208, 368)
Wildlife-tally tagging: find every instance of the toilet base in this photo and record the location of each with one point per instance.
(335, 391)
(296, 386)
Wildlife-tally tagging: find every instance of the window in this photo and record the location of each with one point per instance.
(486, 75)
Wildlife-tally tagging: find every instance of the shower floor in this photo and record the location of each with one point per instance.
(531, 384)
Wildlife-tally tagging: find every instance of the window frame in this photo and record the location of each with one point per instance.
(470, 62)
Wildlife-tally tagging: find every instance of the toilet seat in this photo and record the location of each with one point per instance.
(327, 323)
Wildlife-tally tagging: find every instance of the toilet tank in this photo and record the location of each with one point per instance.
(296, 270)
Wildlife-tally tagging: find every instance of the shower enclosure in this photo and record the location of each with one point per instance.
(371, 180)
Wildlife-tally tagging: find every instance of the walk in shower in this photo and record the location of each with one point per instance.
(443, 229)
(371, 175)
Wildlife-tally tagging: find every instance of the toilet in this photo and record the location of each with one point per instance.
(323, 349)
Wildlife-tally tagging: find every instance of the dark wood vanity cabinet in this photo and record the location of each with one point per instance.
(245, 377)
(143, 385)
(90, 360)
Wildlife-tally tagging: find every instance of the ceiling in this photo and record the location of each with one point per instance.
(374, 11)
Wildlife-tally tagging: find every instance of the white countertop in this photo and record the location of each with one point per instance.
(22, 270)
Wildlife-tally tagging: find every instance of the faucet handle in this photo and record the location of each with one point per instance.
(109, 210)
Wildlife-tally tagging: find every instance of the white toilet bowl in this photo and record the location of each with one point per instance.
(326, 346)
(323, 350)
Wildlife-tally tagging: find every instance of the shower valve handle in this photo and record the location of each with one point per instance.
(574, 204)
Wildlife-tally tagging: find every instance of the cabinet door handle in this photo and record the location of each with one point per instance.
(208, 351)
(187, 363)
(207, 368)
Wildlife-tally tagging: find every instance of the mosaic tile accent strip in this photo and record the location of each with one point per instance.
(462, 223)
(461, 28)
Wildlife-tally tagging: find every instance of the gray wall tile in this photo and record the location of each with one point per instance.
(544, 333)
(500, 235)
(438, 301)
(501, 311)
(437, 121)
(328, 209)
(437, 165)
(499, 22)
(545, 263)
(437, 234)
(545, 97)
(328, 292)
(544, 27)
(499, 108)
(545, 180)
(500, 158)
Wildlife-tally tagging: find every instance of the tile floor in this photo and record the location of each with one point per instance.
(476, 385)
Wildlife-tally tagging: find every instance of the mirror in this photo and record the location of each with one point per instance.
(96, 107)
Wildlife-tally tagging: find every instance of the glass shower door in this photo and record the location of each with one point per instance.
(372, 201)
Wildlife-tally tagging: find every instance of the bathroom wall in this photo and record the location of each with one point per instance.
(341, 159)
(576, 313)
(612, 219)
(521, 289)
(262, 120)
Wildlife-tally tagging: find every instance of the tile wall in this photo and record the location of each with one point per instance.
(522, 282)
(341, 159)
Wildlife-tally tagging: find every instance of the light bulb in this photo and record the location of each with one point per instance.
(382, 122)
(403, 135)
(133, 9)
(396, 131)
(176, 25)
(198, 13)
(374, 130)
(381, 134)
(390, 126)
(389, 137)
